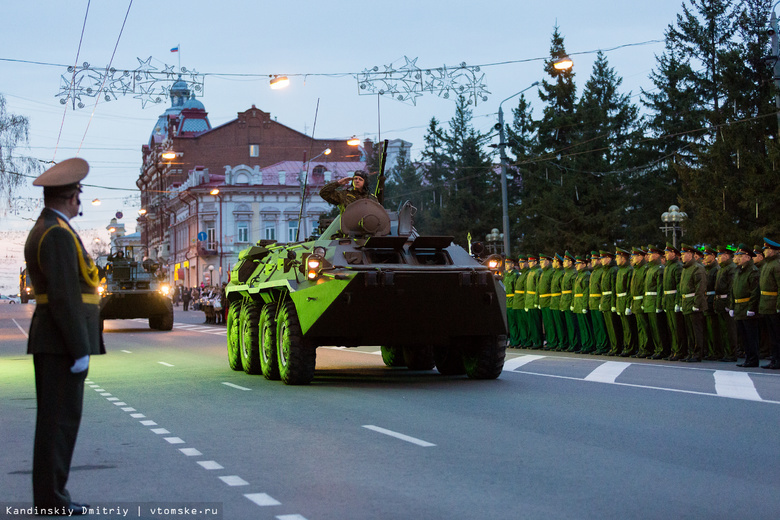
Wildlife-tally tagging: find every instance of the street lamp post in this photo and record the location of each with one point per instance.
(673, 220)
(773, 60)
(494, 240)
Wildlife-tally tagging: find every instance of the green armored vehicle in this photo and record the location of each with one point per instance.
(131, 289)
(369, 279)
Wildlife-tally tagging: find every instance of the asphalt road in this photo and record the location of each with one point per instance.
(168, 426)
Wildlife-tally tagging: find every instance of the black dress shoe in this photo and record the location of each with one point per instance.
(675, 358)
(693, 360)
(748, 365)
(774, 365)
(657, 356)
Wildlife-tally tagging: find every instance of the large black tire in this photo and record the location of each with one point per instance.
(233, 333)
(249, 338)
(484, 357)
(154, 322)
(296, 356)
(166, 320)
(392, 356)
(449, 360)
(268, 358)
(419, 357)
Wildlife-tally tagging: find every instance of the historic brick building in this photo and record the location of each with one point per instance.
(225, 188)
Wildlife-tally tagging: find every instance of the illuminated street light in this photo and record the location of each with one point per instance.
(353, 141)
(142, 212)
(215, 191)
(279, 82)
(563, 63)
(169, 155)
(96, 202)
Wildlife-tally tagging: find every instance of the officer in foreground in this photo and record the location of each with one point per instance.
(64, 333)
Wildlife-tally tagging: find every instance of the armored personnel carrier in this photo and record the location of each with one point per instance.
(369, 279)
(132, 289)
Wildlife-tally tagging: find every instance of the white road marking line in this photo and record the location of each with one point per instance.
(112, 399)
(174, 440)
(165, 364)
(126, 351)
(514, 363)
(120, 403)
(20, 328)
(607, 372)
(290, 517)
(129, 409)
(231, 385)
(190, 452)
(397, 435)
(137, 415)
(148, 423)
(159, 431)
(234, 480)
(735, 384)
(106, 394)
(210, 464)
(263, 499)
(98, 389)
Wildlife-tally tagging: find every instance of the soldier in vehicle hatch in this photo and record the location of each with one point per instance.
(343, 198)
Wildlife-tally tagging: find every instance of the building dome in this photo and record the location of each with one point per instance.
(182, 98)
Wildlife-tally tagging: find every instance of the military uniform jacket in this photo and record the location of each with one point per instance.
(509, 285)
(581, 291)
(637, 291)
(519, 300)
(769, 281)
(531, 282)
(623, 288)
(745, 291)
(608, 280)
(693, 287)
(594, 300)
(672, 274)
(723, 283)
(66, 320)
(343, 198)
(567, 288)
(654, 282)
(544, 288)
(555, 289)
(712, 276)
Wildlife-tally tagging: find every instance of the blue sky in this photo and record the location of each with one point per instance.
(323, 44)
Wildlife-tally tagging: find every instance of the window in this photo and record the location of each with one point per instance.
(243, 232)
(254, 150)
(211, 238)
(292, 230)
(270, 231)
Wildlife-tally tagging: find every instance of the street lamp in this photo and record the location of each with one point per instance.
(216, 193)
(278, 82)
(773, 60)
(494, 238)
(673, 220)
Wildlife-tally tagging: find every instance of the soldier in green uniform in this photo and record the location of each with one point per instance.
(555, 303)
(580, 305)
(600, 339)
(743, 304)
(713, 337)
(535, 331)
(623, 303)
(518, 305)
(645, 346)
(769, 282)
(652, 304)
(510, 274)
(567, 301)
(544, 288)
(64, 332)
(609, 304)
(726, 326)
(693, 289)
(764, 339)
(343, 198)
(672, 303)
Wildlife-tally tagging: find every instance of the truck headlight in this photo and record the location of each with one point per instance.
(165, 289)
(313, 267)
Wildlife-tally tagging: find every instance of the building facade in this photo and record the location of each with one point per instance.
(222, 189)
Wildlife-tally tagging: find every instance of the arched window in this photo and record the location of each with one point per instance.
(318, 174)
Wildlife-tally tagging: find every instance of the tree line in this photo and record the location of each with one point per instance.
(598, 169)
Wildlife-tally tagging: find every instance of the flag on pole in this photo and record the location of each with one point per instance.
(175, 49)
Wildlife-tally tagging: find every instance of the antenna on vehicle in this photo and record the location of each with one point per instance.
(306, 176)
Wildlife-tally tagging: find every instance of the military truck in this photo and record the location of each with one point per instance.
(369, 279)
(131, 289)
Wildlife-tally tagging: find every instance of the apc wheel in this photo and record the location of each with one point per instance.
(249, 338)
(166, 320)
(419, 358)
(484, 358)
(154, 322)
(233, 333)
(296, 356)
(268, 359)
(449, 360)
(393, 356)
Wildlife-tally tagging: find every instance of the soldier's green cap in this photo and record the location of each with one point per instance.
(670, 248)
(569, 256)
(559, 257)
(543, 256)
(743, 249)
(771, 244)
(724, 250)
(521, 259)
(654, 249)
(758, 250)
(687, 248)
(638, 251)
(604, 253)
(594, 255)
(532, 258)
(621, 251)
(709, 251)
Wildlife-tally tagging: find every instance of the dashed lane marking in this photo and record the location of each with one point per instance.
(165, 364)
(210, 464)
(607, 372)
(233, 480)
(262, 499)
(231, 385)
(735, 384)
(514, 363)
(391, 433)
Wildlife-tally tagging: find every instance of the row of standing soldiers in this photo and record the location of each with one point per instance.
(684, 304)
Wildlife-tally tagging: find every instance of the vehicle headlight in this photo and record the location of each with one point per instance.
(494, 263)
(313, 267)
(165, 289)
(101, 289)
